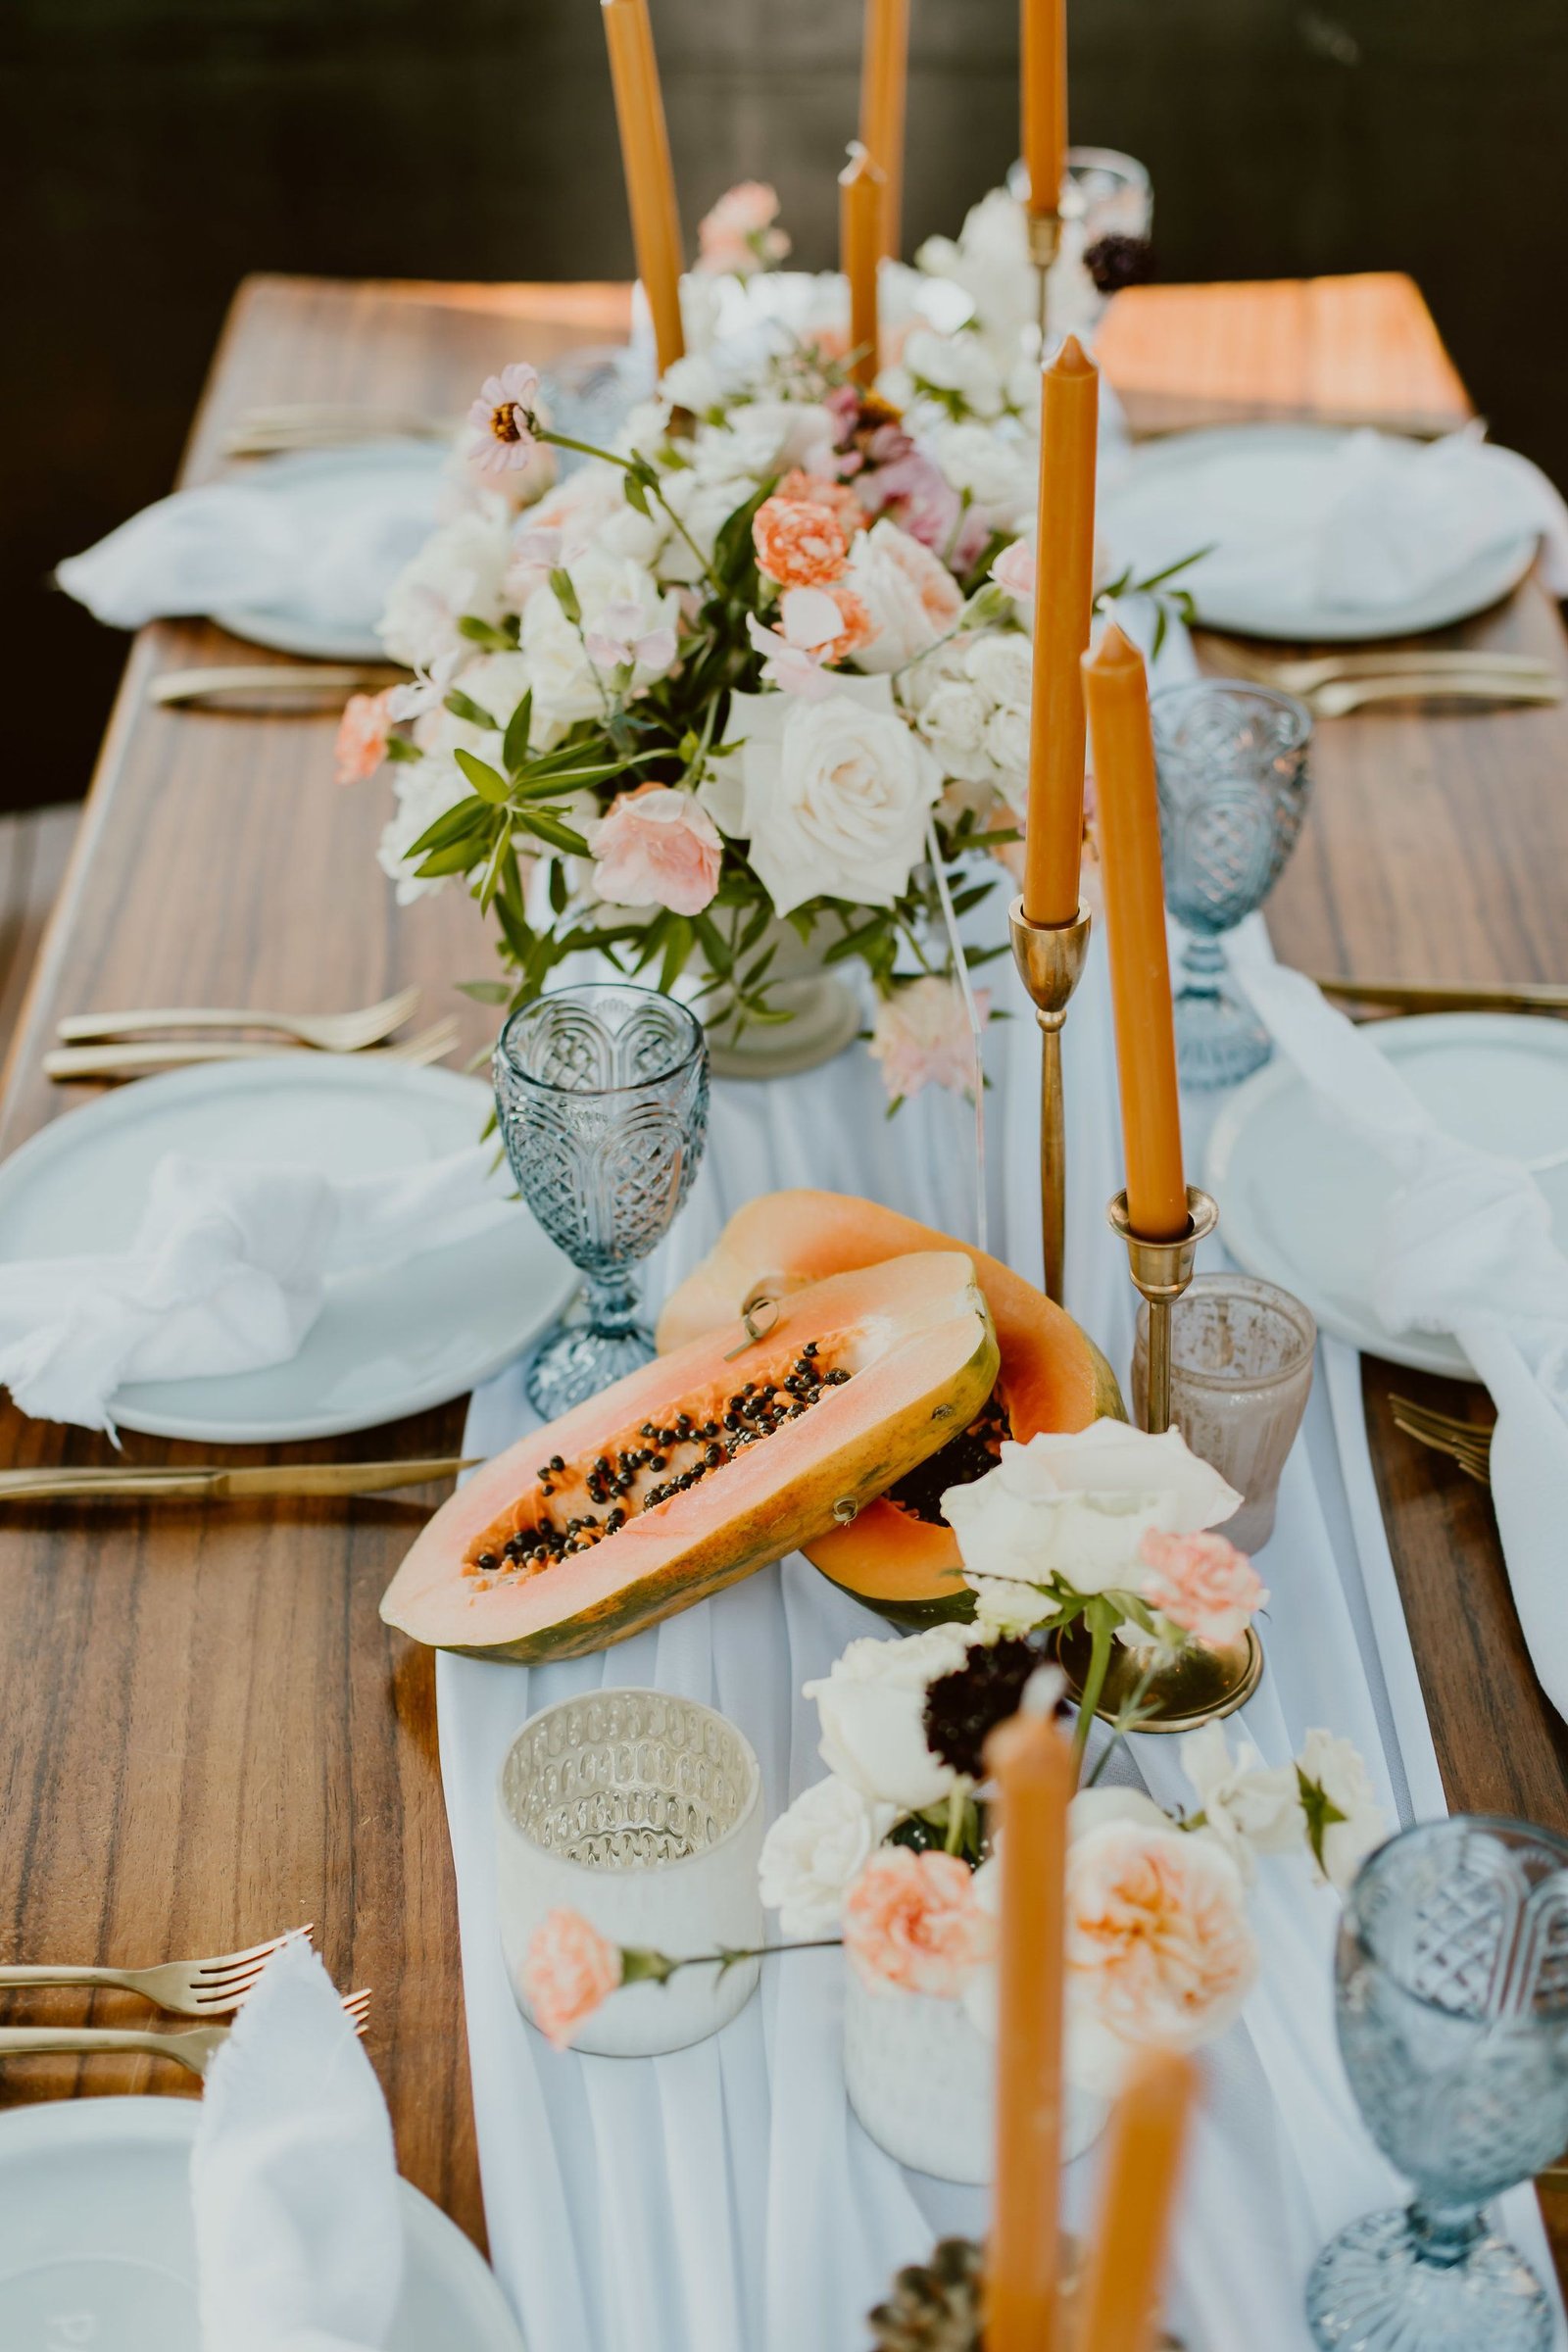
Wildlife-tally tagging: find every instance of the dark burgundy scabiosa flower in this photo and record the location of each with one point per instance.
(963, 1708)
(1116, 262)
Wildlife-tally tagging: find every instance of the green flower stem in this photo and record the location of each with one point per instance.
(586, 449)
(1101, 1638)
(640, 1965)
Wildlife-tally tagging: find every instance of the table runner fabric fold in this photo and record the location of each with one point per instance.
(724, 2198)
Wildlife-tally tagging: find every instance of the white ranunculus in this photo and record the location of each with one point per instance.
(958, 366)
(813, 1851)
(1000, 662)
(836, 793)
(1007, 743)
(953, 721)
(912, 598)
(1078, 1508)
(424, 789)
(1250, 1807)
(995, 471)
(1334, 1767)
(989, 260)
(872, 1706)
(458, 572)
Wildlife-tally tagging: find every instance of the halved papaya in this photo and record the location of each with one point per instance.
(900, 1556)
(703, 1466)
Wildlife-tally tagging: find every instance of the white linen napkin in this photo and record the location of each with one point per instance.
(299, 2230)
(226, 1273)
(1466, 1248)
(325, 541)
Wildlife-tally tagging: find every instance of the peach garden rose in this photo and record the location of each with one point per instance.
(1202, 1583)
(656, 847)
(568, 1972)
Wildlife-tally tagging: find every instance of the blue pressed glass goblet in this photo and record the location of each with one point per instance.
(602, 1096)
(1233, 773)
(1452, 1998)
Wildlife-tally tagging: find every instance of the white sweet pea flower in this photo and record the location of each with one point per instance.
(836, 793)
(494, 683)
(618, 639)
(424, 790)
(458, 572)
(1250, 1807)
(567, 686)
(872, 1706)
(1078, 1506)
(813, 1852)
(1344, 1822)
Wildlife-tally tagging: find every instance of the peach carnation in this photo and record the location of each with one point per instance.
(657, 847)
(568, 1971)
(799, 543)
(1202, 1584)
(1158, 1948)
(913, 1920)
(921, 1037)
(363, 734)
(820, 490)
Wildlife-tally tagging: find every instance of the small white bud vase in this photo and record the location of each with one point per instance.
(644, 1814)
(921, 2079)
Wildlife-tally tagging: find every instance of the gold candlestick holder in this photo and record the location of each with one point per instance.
(1161, 1271)
(1044, 243)
(1050, 959)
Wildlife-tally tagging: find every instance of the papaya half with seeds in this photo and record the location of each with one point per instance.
(900, 1556)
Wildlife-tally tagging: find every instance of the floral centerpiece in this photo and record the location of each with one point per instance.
(754, 676)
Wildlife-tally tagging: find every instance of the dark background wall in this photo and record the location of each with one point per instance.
(159, 149)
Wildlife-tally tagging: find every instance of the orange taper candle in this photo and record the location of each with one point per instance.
(1042, 63)
(649, 177)
(1116, 693)
(862, 188)
(1117, 2300)
(1033, 1769)
(884, 85)
(1064, 599)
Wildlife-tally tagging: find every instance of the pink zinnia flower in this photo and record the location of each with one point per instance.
(799, 544)
(568, 1971)
(502, 419)
(657, 847)
(921, 1037)
(913, 1920)
(362, 733)
(1016, 569)
(1202, 1584)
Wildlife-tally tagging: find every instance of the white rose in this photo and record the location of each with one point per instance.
(1007, 743)
(1000, 661)
(953, 721)
(959, 365)
(458, 572)
(813, 1851)
(1078, 1508)
(995, 472)
(872, 1706)
(910, 593)
(1334, 1767)
(1250, 1807)
(424, 790)
(836, 793)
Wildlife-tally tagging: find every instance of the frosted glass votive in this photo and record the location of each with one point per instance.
(644, 1813)
(1240, 1371)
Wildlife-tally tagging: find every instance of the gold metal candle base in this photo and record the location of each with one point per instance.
(1161, 1271)
(1050, 959)
(1044, 243)
(1197, 1685)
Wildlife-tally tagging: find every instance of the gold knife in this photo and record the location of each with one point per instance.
(219, 1485)
(1439, 995)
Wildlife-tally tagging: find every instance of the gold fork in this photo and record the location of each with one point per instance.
(131, 1060)
(1303, 675)
(327, 1032)
(186, 1987)
(254, 681)
(1341, 696)
(195, 2048)
(1463, 1442)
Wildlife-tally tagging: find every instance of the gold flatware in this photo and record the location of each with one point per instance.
(1463, 1442)
(1305, 674)
(263, 432)
(129, 1060)
(328, 1032)
(1438, 996)
(184, 1987)
(1341, 696)
(302, 685)
(194, 2049)
(160, 1483)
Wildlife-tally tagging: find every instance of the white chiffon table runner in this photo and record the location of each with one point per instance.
(724, 2198)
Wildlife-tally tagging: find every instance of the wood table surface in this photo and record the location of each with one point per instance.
(206, 1732)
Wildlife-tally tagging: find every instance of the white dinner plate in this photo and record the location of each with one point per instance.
(97, 2246)
(390, 1340)
(1301, 1199)
(388, 491)
(1240, 486)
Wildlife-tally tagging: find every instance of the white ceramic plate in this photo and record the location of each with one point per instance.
(1301, 1199)
(1243, 485)
(97, 2247)
(389, 1341)
(378, 497)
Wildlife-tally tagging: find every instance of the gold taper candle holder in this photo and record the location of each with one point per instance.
(1044, 243)
(1161, 1271)
(1050, 959)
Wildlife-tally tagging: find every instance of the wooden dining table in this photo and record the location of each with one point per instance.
(206, 1731)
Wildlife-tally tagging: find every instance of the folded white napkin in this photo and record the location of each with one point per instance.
(226, 1273)
(324, 541)
(1466, 1248)
(299, 2229)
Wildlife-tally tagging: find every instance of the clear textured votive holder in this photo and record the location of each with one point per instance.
(644, 1813)
(1240, 1371)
